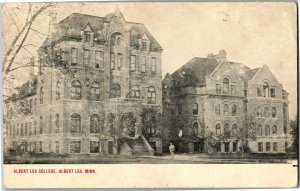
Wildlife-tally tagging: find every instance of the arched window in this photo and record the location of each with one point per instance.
(225, 109)
(57, 123)
(115, 91)
(226, 130)
(41, 95)
(234, 129)
(95, 91)
(225, 86)
(259, 130)
(218, 129)
(179, 108)
(151, 95)
(266, 89)
(195, 128)
(274, 130)
(195, 109)
(94, 124)
(233, 110)
(217, 109)
(41, 124)
(266, 112)
(57, 92)
(274, 112)
(258, 112)
(76, 90)
(267, 130)
(135, 92)
(75, 123)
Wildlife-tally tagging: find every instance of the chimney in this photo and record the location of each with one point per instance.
(220, 58)
(52, 30)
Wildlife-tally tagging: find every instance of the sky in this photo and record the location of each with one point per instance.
(251, 33)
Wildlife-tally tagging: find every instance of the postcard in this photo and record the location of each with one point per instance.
(150, 95)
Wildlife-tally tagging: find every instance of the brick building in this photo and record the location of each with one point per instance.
(212, 100)
(102, 76)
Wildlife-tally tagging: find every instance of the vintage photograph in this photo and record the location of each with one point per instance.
(149, 83)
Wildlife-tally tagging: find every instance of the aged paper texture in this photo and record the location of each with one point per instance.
(150, 95)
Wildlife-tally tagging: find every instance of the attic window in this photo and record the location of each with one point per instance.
(87, 36)
(144, 45)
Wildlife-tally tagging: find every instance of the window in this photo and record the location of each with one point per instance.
(151, 95)
(274, 112)
(258, 112)
(95, 91)
(34, 128)
(119, 60)
(233, 110)
(259, 130)
(217, 109)
(234, 146)
(118, 40)
(274, 130)
(286, 145)
(275, 147)
(86, 57)
(233, 92)
(74, 57)
(17, 129)
(26, 132)
(41, 146)
(153, 64)
(260, 147)
(57, 123)
(57, 92)
(56, 147)
(132, 63)
(195, 129)
(22, 130)
(115, 91)
(75, 123)
(226, 147)
(272, 93)
(195, 109)
(41, 95)
(218, 129)
(179, 108)
(226, 109)
(225, 86)
(268, 147)
(94, 146)
(266, 112)
(267, 130)
(135, 92)
(259, 94)
(266, 89)
(94, 123)
(284, 129)
(143, 64)
(226, 130)
(98, 59)
(112, 61)
(218, 89)
(75, 146)
(87, 36)
(29, 128)
(41, 125)
(144, 45)
(234, 129)
(76, 90)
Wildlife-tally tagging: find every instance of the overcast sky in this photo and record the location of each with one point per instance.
(251, 33)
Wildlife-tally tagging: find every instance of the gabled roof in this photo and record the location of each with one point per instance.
(194, 72)
(249, 74)
(76, 22)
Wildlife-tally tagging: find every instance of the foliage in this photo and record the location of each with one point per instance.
(295, 141)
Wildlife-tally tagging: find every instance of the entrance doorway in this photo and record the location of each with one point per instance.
(153, 145)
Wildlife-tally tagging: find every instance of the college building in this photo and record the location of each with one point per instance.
(97, 88)
(214, 105)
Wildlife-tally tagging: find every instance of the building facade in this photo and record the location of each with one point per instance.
(222, 106)
(97, 77)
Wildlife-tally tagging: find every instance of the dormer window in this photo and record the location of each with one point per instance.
(87, 37)
(144, 45)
